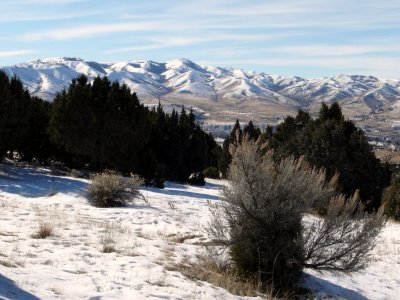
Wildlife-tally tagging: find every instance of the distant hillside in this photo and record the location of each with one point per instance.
(221, 95)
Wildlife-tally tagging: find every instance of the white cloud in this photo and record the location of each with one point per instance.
(40, 2)
(168, 41)
(29, 16)
(388, 67)
(91, 30)
(11, 53)
(336, 50)
(303, 33)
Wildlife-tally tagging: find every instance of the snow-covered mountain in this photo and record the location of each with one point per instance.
(221, 94)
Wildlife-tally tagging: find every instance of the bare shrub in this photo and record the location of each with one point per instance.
(45, 230)
(109, 190)
(261, 220)
(343, 238)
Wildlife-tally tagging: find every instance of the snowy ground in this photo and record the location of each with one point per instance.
(71, 264)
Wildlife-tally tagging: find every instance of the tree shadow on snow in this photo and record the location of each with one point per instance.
(9, 290)
(214, 186)
(176, 189)
(324, 289)
(36, 182)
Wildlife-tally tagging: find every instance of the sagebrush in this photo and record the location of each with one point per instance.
(109, 189)
(262, 220)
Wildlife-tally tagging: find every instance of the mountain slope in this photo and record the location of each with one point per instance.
(221, 95)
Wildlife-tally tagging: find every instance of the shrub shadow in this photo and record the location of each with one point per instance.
(176, 189)
(323, 289)
(9, 290)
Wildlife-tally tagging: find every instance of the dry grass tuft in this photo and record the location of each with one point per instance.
(210, 271)
(56, 290)
(7, 264)
(52, 192)
(108, 248)
(45, 230)
(181, 238)
(109, 237)
(161, 280)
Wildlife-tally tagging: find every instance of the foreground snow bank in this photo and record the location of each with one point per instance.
(71, 264)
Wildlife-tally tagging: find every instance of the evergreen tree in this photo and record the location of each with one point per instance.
(391, 198)
(235, 136)
(226, 158)
(17, 114)
(37, 143)
(74, 123)
(251, 131)
(337, 145)
(103, 125)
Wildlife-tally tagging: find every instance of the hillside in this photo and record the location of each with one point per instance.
(147, 240)
(220, 95)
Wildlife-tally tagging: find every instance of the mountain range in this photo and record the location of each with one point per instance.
(219, 95)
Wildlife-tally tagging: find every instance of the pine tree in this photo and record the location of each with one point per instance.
(336, 144)
(226, 158)
(251, 131)
(102, 125)
(15, 114)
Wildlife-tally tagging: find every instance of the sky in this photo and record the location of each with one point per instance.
(306, 38)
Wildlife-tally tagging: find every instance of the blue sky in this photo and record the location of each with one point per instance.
(308, 38)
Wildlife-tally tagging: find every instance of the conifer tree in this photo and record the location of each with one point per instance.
(15, 114)
(102, 125)
(336, 144)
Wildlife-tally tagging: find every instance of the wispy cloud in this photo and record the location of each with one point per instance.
(300, 34)
(11, 53)
(30, 16)
(41, 2)
(170, 41)
(335, 50)
(384, 67)
(91, 30)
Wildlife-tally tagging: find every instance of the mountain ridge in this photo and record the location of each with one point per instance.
(222, 94)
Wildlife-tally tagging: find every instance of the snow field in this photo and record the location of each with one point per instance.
(124, 253)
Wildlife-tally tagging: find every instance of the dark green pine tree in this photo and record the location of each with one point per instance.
(74, 123)
(37, 142)
(102, 125)
(337, 145)
(225, 158)
(15, 114)
(251, 131)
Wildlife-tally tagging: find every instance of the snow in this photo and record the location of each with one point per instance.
(71, 264)
(220, 91)
(164, 78)
(379, 281)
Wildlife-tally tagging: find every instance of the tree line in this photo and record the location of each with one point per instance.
(328, 141)
(102, 125)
